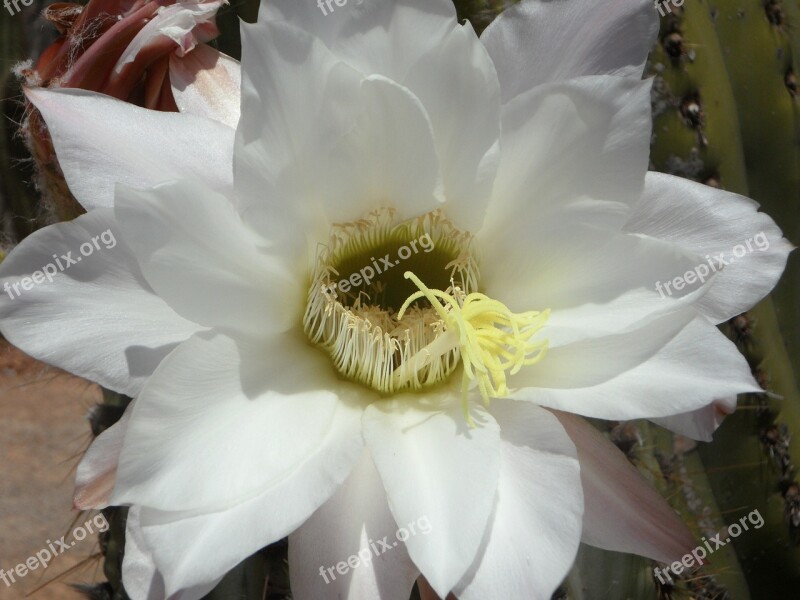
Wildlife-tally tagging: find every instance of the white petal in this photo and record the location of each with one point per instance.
(434, 466)
(265, 408)
(208, 83)
(536, 526)
(573, 160)
(222, 539)
(179, 23)
(97, 471)
(623, 511)
(384, 37)
(197, 254)
(595, 281)
(356, 520)
(567, 144)
(701, 423)
(675, 363)
(388, 158)
(101, 305)
(535, 42)
(297, 100)
(457, 84)
(139, 575)
(710, 222)
(419, 45)
(141, 579)
(101, 141)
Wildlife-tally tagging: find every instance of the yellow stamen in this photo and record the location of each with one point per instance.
(492, 340)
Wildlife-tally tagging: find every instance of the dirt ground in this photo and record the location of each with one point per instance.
(43, 433)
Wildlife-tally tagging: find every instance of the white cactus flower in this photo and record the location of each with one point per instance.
(387, 296)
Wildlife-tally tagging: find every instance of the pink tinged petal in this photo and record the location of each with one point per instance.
(198, 255)
(222, 539)
(623, 510)
(388, 158)
(537, 42)
(92, 69)
(466, 132)
(536, 527)
(708, 221)
(355, 521)
(141, 579)
(701, 423)
(179, 23)
(100, 303)
(433, 466)
(101, 141)
(208, 83)
(384, 37)
(673, 364)
(266, 407)
(97, 471)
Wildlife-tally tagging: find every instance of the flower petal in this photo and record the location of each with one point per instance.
(568, 39)
(222, 539)
(536, 526)
(623, 511)
(355, 521)
(141, 579)
(595, 281)
(208, 83)
(432, 465)
(573, 161)
(297, 100)
(566, 143)
(388, 157)
(101, 141)
(97, 471)
(701, 423)
(673, 364)
(383, 37)
(711, 222)
(466, 132)
(197, 254)
(185, 23)
(416, 44)
(214, 402)
(99, 304)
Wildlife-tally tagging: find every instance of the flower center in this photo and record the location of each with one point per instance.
(397, 308)
(358, 288)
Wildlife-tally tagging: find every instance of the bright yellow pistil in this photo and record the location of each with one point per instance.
(492, 340)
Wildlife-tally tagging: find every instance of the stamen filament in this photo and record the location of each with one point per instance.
(492, 340)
